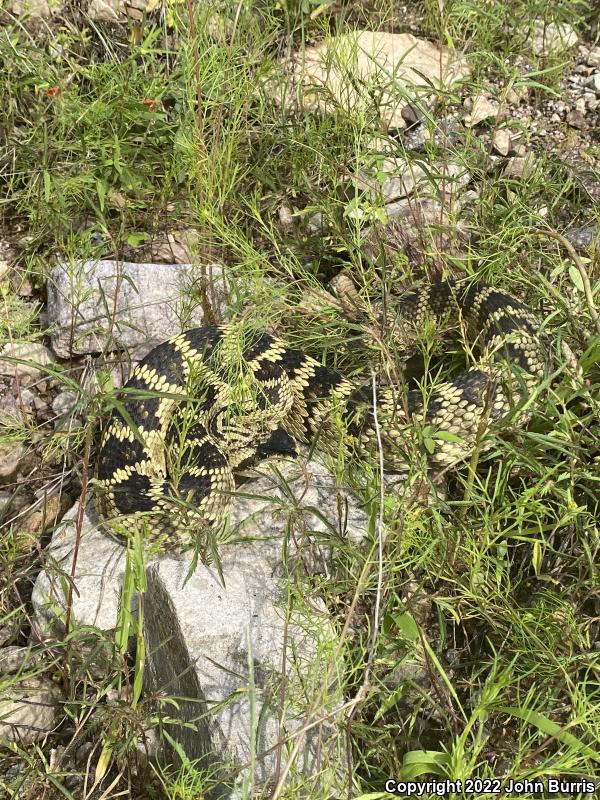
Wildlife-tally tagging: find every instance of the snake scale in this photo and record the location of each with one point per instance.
(210, 401)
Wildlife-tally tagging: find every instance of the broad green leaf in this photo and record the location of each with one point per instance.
(576, 278)
(447, 436)
(407, 626)
(429, 445)
(421, 762)
(136, 238)
(536, 558)
(551, 728)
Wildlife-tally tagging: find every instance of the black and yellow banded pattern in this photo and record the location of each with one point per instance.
(217, 398)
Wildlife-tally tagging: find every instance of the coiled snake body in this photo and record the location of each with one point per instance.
(217, 398)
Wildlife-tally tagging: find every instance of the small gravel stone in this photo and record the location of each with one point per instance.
(551, 38)
(175, 246)
(520, 167)
(64, 402)
(470, 197)
(593, 82)
(316, 222)
(591, 101)
(11, 455)
(27, 355)
(516, 96)
(593, 57)
(416, 137)
(481, 108)
(412, 115)
(502, 142)
(102, 10)
(25, 288)
(576, 119)
(16, 406)
(68, 424)
(47, 516)
(286, 219)
(74, 783)
(5, 498)
(36, 8)
(582, 69)
(11, 504)
(13, 658)
(13, 771)
(82, 753)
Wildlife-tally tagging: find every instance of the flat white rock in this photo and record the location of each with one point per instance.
(348, 70)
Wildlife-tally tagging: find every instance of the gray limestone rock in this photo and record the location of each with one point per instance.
(64, 402)
(95, 306)
(29, 710)
(98, 576)
(240, 648)
(242, 652)
(259, 514)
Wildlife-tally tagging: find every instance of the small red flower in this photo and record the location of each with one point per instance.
(150, 103)
(53, 91)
